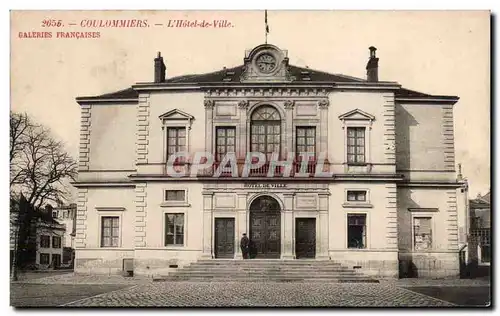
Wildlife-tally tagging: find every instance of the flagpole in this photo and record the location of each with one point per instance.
(267, 28)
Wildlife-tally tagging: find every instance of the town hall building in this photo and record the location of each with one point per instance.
(388, 195)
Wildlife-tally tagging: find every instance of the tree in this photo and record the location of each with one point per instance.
(38, 163)
(19, 124)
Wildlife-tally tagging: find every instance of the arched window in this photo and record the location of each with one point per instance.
(265, 131)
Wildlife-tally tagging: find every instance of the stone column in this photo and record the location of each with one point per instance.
(289, 134)
(287, 223)
(323, 227)
(241, 223)
(207, 225)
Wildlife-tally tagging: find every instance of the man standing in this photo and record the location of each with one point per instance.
(244, 245)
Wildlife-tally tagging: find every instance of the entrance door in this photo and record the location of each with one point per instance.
(265, 228)
(305, 238)
(224, 238)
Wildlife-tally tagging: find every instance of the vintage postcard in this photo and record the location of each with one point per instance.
(250, 158)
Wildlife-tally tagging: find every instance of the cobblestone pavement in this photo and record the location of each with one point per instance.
(71, 278)
(43, 295)
(220, 294)
(439, 283)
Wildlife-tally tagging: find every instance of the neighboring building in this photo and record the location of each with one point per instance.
(66, 215)
(42, 245)
(391, 198)
(480, 230)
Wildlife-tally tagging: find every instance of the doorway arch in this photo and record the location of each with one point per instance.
(265, 227)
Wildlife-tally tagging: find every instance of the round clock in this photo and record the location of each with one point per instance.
(266, 63)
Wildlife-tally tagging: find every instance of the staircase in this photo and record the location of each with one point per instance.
(219, 270)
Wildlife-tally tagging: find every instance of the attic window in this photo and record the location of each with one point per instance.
(228, 74)
(305, 75)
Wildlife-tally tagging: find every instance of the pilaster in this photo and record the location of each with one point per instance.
(142, 129)
(209, 117)
(81, 218)
(289, 132)
(288, 228)
(391, 217)
(323, 126)
(243, 132)
(452, 220)
(241, 222)
(85, 126)
(207, 225)
(140, 214)
(323, 226)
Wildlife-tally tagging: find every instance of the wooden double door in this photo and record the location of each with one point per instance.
(265, 228)
(224, 238)
(305, 238)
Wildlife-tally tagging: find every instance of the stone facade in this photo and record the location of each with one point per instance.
(405, 173)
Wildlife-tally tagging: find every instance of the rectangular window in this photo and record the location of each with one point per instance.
(44, 241)
(306, 140)
(225, 141)
(44, 258)
(356, 230)
(174, 234)
(110, 231)
(56, 242)
(422, 233)
(356, 145)
(175, 195)
(356, 196)
(176, 140)
(54, 214)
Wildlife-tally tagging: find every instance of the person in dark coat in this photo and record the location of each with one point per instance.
(245, 246)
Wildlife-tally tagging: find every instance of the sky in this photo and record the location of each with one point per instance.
(441, 52)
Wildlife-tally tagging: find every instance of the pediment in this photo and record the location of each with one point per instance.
(176, 115)
(357, 114)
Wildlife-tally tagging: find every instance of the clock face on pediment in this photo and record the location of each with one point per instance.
(266, 63)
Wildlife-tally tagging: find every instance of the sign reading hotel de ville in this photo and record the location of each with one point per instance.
(277, 154)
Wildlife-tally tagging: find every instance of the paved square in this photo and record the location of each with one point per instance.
(257, 294)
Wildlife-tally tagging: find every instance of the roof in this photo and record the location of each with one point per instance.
(406, 93)
(232, 75)
(486, 197)
(38, 213)
(128, 93)
(301, 74)
(479, 203)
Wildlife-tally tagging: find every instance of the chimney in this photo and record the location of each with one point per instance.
(372, 66)
(159, 69)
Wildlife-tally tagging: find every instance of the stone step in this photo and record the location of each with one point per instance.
(265, 264)
(283, 271)
(262, 273)
(266, 260)
(265, 270)
(295, 268)
(277, 279)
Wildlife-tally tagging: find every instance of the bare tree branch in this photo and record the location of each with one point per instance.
(39, 164)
